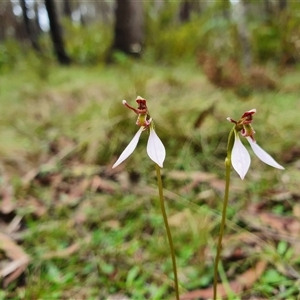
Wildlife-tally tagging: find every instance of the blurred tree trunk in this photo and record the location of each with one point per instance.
(28, 25)
(37, 18)
(185, 11)
(56, 34)
(268, 9)
(244, 35)
(288, 56)
(8, 21)
(67, 10)
(282, 5)
(82, 18)
(187, 7)
(2, 20)
(225, 7)
(104, 10)
(129, 27)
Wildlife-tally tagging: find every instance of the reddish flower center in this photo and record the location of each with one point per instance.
(244, 124)
(142, 111)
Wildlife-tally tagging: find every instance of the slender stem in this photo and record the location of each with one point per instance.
(163, 210)
(219, 246)
(226, 196)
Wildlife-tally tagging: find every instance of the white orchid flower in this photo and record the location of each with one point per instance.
(240, 158)
(155, 148)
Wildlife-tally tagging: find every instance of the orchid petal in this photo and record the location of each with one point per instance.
(130, 148)
(263, 155)
(155, 148)
(240, 157)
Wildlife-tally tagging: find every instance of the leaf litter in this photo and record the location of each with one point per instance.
(69, 183)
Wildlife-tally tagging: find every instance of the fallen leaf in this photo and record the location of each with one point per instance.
(112, 224)
(67, 251)
(179, 219)
(73, 192)
(82, 211)
(206, 195)
(83, 170)
(117, 297)
(218, 185)
(279, 196)
(14, 275)
(59, 157)
(203, 115)
(243, 281)
(38, 208)
(14, 225)
(7, 203)
(196, 175)
(20, 260)
(285, 225)
(100, 184)
(296, 210)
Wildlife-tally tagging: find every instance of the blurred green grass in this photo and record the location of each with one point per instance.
(45, 111)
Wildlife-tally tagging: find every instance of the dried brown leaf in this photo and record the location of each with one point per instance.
(38, 208)
(117, 297)
(283, 224)
(14, 225)
(100, 184)
(296, 210)
(82, 212)
(67, 251)
(52, 162)
(203, 115)
(178, 219)
(196, 175)
(243, 281)
(19, 258)
(7, 203)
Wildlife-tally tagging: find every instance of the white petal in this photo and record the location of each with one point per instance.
(263, 155)
(130, 148)
(155, 148)
(240, 157)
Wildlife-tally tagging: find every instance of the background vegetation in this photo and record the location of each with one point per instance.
(90, 232)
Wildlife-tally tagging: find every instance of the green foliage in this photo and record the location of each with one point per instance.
(277, 41)
(269, 282)
(10, 55)
(266, 42)
(169, 41)
(88, 45)
(85, 45)
(174, 41)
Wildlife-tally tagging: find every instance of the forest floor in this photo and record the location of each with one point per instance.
(73, 228)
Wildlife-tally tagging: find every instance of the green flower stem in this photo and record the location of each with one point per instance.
(226, 196)
(163, 210)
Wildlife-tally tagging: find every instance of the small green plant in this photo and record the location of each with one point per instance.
(238, 156)
(157, 153)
